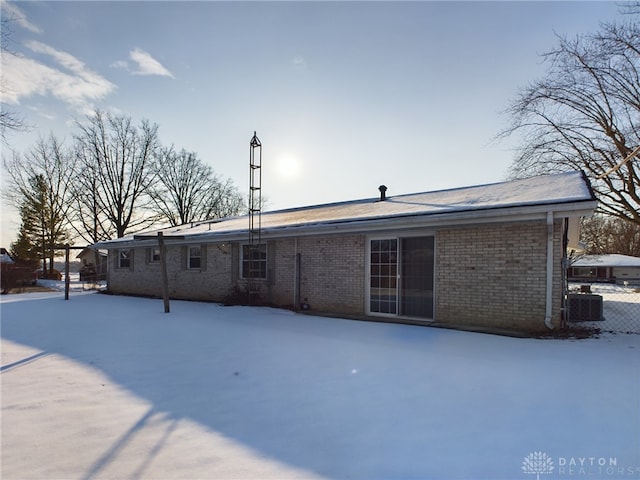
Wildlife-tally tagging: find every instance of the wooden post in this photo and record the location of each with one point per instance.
(67, 280)
(163, 270)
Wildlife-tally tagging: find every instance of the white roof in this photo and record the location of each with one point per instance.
(558, 189)
(91, 251)
(610, 260)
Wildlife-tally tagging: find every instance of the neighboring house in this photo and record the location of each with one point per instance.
(5, 257)
(486, 257)
(612, 268)
(94, 264)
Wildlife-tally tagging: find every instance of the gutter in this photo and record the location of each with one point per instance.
(549, 294)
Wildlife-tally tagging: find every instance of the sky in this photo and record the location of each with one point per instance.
(344, 96)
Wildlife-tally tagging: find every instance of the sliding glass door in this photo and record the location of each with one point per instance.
(401, 276)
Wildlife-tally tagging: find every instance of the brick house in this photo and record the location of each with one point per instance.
(486, 257)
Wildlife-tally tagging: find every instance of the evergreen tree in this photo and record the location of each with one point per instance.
(24, 248)
(41, 191)
(42, 226)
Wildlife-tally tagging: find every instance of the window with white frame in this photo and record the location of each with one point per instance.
(254, 261)
(194, 260)
(154, 255)
(124, 258)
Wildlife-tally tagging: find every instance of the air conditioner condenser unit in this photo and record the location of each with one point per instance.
(584, 307)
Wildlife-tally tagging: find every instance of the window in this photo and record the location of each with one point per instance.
(154, 255)
(124, 258)
(254, 261)
(583, 272)
(194, 260)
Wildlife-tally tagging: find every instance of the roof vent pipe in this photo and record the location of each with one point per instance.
(383, 192)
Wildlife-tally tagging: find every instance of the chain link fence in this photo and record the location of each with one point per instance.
(604, 307)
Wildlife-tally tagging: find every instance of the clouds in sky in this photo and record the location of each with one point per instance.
(59, 74)
(143, 64)
(66, 78)
(299, 62)
(12, 12)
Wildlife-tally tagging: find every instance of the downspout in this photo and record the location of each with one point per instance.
(565, 265)
(549, 297)
(296, 276)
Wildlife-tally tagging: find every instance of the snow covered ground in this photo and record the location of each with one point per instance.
(111, 387)
(75, 285)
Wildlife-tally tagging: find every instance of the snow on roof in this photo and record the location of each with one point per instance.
(609, 260)
(89, 251)
(6, 258)
(542, 190)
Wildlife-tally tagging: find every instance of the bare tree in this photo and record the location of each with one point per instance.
(605, 234)
(585, 115)
(186, 190)
(9, 119)
(87, 216)
(41, 188)
(115, 159)
(630, 8)
(226, 201)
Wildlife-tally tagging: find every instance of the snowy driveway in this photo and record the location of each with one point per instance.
(111, 387)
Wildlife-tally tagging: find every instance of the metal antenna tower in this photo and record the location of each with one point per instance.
(255, 204)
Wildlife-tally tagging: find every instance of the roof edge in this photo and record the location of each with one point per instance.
(375, 224)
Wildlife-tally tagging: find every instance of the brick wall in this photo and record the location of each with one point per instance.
(495, 275)
(332, 272)
(212, 282)
(281, 284)
(330, 276)
(485, 276)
